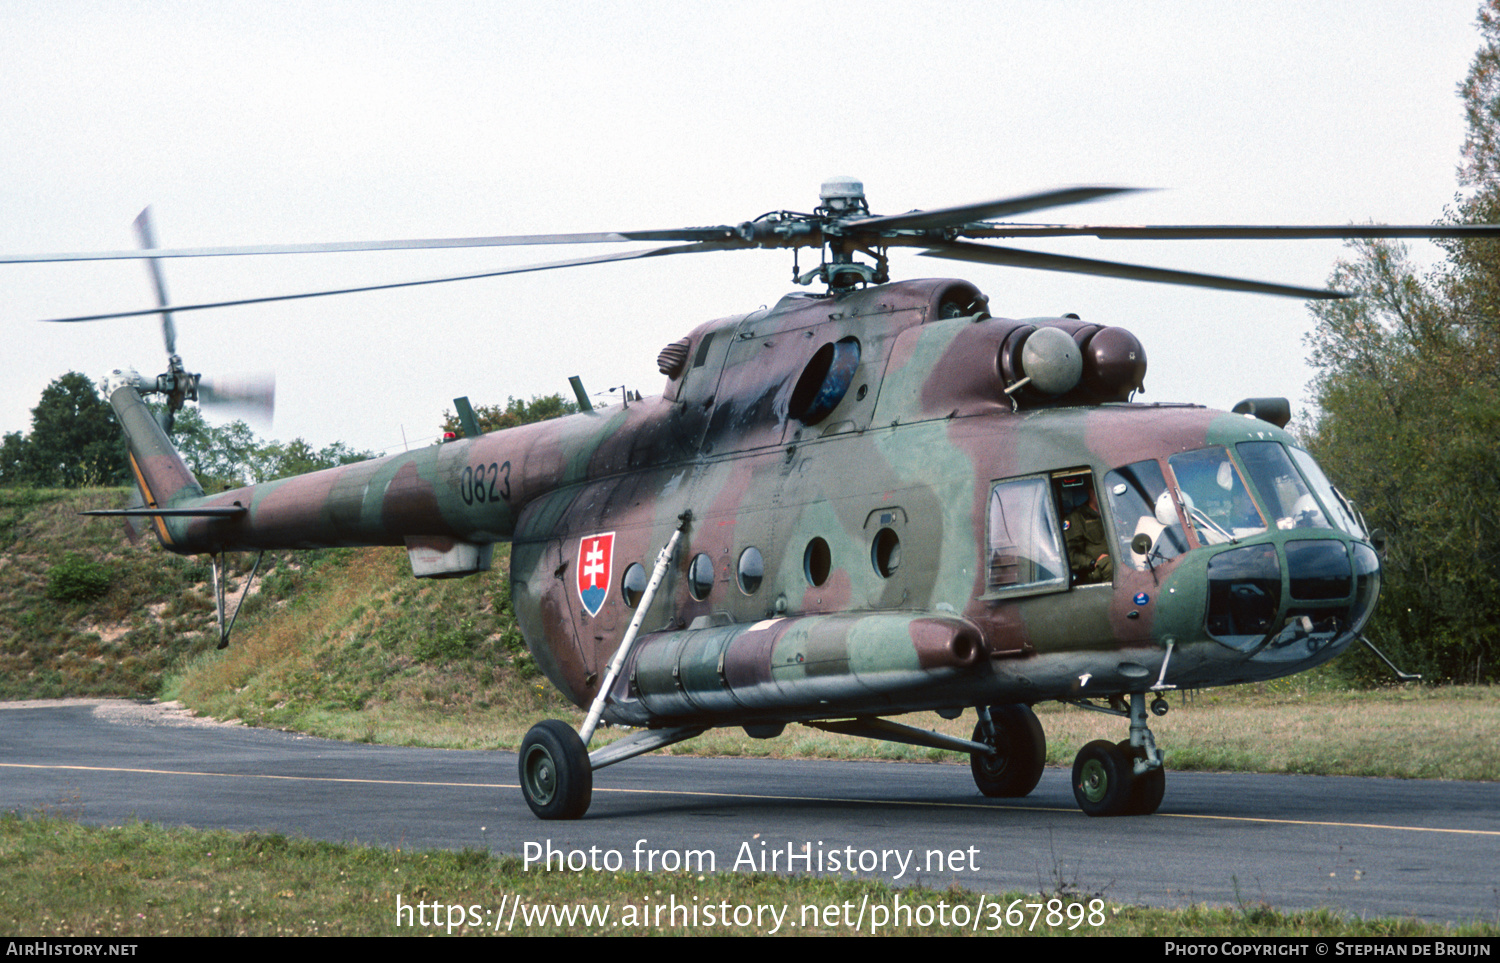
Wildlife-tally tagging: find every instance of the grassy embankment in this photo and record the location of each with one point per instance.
(82, 611)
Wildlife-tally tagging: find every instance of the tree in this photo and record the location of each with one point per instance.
(297, 457)
(1472, 282)
(1407, 425)
(74, 440)
(1408, 396)
(514, 412)
(229, 456)
(225, 456)
(13, 458)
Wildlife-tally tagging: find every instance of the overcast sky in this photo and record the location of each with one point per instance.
(271, 122)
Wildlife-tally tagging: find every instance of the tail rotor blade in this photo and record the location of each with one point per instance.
(134, 524)
(253, 396)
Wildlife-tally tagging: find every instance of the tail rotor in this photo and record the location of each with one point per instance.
(253, 395)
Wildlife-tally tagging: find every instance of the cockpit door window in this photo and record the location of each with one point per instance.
(1089, 557)
(1134, 493)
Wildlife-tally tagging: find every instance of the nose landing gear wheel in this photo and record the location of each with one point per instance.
(1020, 753)
(556, 777)
(1103, 780)
(1147, 787)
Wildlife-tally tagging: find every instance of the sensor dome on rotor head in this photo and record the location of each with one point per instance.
(841, 195)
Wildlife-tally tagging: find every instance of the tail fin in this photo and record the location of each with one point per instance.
(160, 473)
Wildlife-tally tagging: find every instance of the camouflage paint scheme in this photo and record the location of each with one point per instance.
(912, 447)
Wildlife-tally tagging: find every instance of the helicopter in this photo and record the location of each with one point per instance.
(864, 501)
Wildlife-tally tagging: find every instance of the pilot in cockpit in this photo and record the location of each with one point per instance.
(1083, 531)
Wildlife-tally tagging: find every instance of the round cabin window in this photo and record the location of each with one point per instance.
(752, 570)
(633, 584)
(817, 562)
(701, 576)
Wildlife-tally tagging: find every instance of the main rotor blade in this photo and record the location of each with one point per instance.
(1010, 257)
(522, 269)
(953, 216)
(1230, 232)
(147, 234)
(333, 247)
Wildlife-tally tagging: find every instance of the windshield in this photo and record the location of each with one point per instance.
(1290, 492)
(1343, 513)
(1214, 496)
(1287, 501)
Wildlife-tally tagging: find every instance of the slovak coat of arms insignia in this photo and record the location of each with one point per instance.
(595, 565)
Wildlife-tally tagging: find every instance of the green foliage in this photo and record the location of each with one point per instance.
(1408, 393)
(510, 640)
(77, 579)
(447, 643)
(228, 456)
(1481, 96)
(15, 505)
(297, 457)
(13, 454)
(74, 440)
(514, 412)
(225, 456)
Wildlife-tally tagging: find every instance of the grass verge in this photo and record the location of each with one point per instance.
(61, 879)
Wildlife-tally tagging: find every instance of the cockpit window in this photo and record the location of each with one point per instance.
(1343, 513)
(1214, 496)
(1287, 501)
(1134, 493)
(1025, 545)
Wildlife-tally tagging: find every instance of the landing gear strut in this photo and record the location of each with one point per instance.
(557, 773)
(1122, 779)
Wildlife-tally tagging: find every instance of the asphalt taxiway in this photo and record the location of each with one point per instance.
(1371, 847)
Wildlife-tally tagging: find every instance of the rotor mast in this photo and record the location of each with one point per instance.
(843, 199)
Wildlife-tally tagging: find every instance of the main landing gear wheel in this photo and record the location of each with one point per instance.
(556, 777)
(1103, 780)
(1020, 753)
